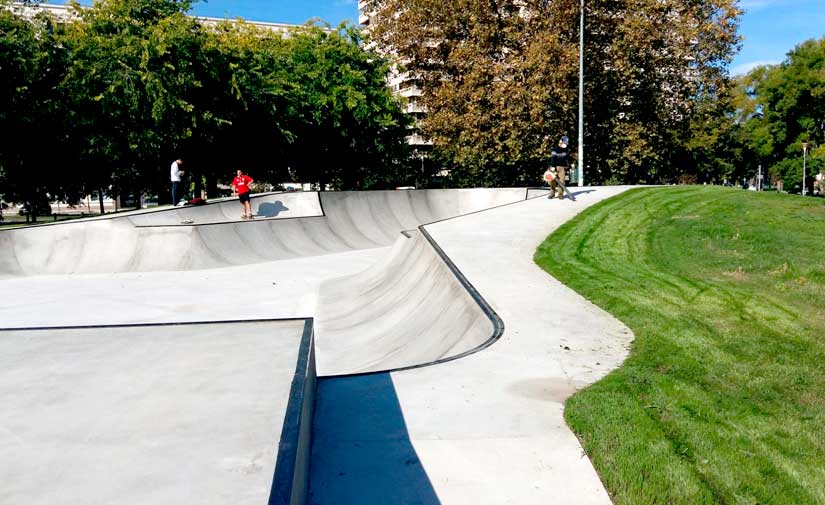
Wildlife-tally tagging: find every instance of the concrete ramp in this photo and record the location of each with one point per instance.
(406, 311)
(264, 206)
(140, 242)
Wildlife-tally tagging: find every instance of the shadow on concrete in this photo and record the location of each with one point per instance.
(582, 192)
(361, 451)
(271, 209)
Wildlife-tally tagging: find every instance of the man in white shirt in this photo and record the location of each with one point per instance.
(174, 176)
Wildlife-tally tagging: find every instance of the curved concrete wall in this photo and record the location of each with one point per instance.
(267, 206)
(141, 242)
(408, 310)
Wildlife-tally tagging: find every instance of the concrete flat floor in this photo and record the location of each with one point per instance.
(144, 415)
(273, 290)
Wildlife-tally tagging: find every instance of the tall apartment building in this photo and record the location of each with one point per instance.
(403, 84)
(65, 12)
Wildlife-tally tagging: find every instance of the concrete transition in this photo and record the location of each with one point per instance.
(151, 242)
(396, 281)
(407, 310)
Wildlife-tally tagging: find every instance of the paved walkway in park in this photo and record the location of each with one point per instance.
(487, 428)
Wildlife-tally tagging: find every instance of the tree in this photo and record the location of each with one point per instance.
(31, 111)
(781, 106)
(132, 83)
(350, 129)
(501, 75)
(126, 86)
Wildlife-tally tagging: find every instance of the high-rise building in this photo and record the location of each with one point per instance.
(65, 12)
(404, 84)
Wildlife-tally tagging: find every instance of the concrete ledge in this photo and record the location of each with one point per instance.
(290, 485)
(158, 413)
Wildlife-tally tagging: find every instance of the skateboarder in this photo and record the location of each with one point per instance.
(240, 187)
(174, 176)
(559, 162)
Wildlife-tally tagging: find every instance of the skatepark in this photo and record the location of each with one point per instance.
(342, 348)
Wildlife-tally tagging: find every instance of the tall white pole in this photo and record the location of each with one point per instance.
(804, 163)
(581, 95)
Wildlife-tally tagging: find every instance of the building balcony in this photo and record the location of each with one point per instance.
(410, 92)
(414, 108)
(418, 140)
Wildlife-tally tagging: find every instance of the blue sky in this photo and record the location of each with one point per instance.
(281, 11)
(770, 28)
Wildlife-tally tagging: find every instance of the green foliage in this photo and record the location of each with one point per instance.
(499, 76)
(349, 122)
(32, 108)
(721, 399)
(129, 85)
(780, 107)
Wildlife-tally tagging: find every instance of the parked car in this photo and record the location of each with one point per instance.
(43, 209)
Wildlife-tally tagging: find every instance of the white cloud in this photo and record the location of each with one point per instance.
(744, 68)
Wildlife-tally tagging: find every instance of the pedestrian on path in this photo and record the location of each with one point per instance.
(559, 163)
(240, 187)
(174, 175)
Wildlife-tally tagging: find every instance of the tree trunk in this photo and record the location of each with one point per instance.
(198, 192)
(100, 199)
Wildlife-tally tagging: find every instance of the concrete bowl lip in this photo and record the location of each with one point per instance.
(227, 222)
(140, 212)
(323, 212)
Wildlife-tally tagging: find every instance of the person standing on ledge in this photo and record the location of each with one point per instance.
(559, 161)
(174, 175)
(240, 187)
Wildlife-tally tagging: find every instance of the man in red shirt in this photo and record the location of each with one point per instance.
(240, 187)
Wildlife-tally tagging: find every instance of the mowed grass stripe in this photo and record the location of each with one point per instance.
(722, 399)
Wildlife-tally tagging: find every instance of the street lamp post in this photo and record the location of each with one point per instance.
(581, 95)
(804, 166)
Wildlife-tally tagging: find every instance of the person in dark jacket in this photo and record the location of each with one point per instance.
(559, 163)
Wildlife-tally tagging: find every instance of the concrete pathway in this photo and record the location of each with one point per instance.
(488, 428)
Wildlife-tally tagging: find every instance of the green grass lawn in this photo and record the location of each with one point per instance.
(722, 399)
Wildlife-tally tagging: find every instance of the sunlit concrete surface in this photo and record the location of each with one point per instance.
(144, 415)
(484, 428)
(487, 428)
(277, 289)
(352, 220)
(406, 310)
